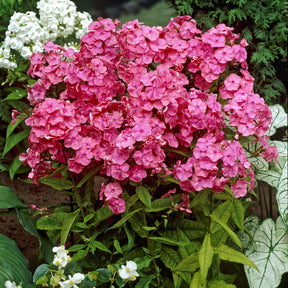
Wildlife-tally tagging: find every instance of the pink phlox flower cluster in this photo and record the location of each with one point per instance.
(132, 95)
(111, 194)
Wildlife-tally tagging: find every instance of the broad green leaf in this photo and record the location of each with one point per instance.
(124, 219)
(104, 275)
(189, 264)
(279, 119)
(282, 194)
(205, 258)
(102, 214)
(144, 282)
(269, 253)
(11, 127)
(223, 213)
(13, 265)
(238, 213)
(57, 183)
(8, 199)
(13, 140)
(228, 254)
(231, 234)
(201, 196)
(144, 195)
(100, 246)
(67, 224)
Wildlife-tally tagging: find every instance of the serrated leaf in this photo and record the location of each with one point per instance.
(268, 252)
(279, 119)
(67, 224)
(205, 258)
(13, 140)
(51, 222)
(170, 257)
(163, 204)
(220, 284)
(144, 195)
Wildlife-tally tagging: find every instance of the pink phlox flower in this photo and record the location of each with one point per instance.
(239, 188)
(171, 139)
(73, 140)
(214, 38)
(188, 29)
(119, 156)
(232, 82)
(197, 106)
(110, 190)
(117, 205)
(183, 171)
(125, 139)
(140, 131)
(119, 172)
(270, 153)
(224, 55)
(183, 206)
(37, 92)
(137, 173)
(83, 156)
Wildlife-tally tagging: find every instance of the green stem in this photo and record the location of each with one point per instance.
(150, 249)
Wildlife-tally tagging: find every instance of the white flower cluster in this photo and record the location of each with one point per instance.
(77, 278)
(61, 258)
(9, 284)
(26, 33)
(128, 272)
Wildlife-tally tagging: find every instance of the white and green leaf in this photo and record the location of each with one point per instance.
(269, 253)
(279, 119)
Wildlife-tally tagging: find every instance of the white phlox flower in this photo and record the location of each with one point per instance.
(128, 272)
(9, 284)
(72, 281)
(61, 259)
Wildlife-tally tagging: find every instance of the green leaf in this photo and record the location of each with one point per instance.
(57, 183)
(170, 257)
(203, 195)
(40, 271)
(124, 219)
(205, 258)
(189, 264)
(220, 284)
(51, 222)
(16, 164)
(8, 199)
(117, 246)
(16, 95)
(67, 224)
(145, 281)
(13, 265)
(196, 281)
(282, 194)
(228, 254)
(100, 246)
(11, 127)
(223, 213)
(102, 214)
(88, 175)
(104, 275)
(14, 139)
(269, 253)
(238, 213)
(162, 204)
(144, 195)
(167, 241)
(231, 234)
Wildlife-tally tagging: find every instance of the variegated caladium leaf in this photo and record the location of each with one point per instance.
(279, 117)
(269, 252)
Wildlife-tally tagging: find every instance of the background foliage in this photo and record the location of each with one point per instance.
(263, 24)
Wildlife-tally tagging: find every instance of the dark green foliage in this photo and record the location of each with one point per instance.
(263, 24)
(7, 9)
